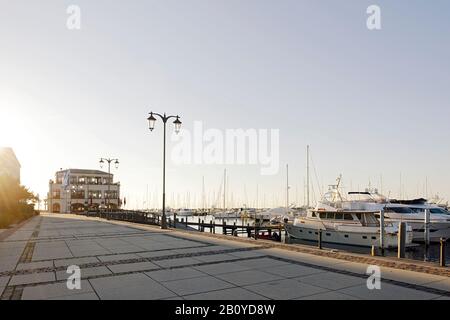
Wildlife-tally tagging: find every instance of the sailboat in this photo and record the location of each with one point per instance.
(226, 214)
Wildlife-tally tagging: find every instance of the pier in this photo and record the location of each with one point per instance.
(124, 260)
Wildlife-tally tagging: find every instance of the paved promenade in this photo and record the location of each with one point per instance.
(126, 261)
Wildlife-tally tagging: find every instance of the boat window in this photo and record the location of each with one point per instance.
(330, 215)
(339, 216)
(399, 210)
(358, 215)
(348, 216)
(323, 215)
(439, 211)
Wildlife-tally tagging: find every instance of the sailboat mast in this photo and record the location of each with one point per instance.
(224, 187)
(307, 176)
(203, 193)
(287, 187)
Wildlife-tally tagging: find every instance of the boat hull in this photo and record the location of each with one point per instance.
(362, 239)
(438, 230)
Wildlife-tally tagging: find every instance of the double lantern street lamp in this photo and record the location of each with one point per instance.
(151, 124)
(116, 165)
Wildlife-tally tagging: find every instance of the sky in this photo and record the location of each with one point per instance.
(372, 104)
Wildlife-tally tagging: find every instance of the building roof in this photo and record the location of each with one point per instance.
(7, 155)
(84, 171)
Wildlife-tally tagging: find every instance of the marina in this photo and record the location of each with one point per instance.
(144, 262)
(225, 150)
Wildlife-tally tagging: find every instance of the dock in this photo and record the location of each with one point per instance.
(119, 259)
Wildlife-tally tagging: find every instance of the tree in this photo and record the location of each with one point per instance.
(16, 201)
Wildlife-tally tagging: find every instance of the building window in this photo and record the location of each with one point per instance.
(77, 194)
(112, 194)
(56, 194)
(95, 194)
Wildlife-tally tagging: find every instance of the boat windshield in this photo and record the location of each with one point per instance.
(366, 197)
(368, 220)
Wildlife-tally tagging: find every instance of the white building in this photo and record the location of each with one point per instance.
(9, 165)
(78, 190)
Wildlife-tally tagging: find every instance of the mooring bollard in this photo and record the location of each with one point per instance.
(320, 239)
(426, 228)
(442, 261)
(401, 239)
(382, 231)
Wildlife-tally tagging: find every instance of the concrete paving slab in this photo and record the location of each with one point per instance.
(292, 270)
(176, 262)
(332, 280)
(130, 287)
(174, 274)
(196, 285)
(285, 289)
(32, 278)
(330, 295)
(222, 268)
(75, 261)
(129, 267)
(215, 257)
(4, 281)
(34, 265)
(226, 294)
(81, 296)
(55, 290)
(262, 263)
(388, 291)
(242, 278)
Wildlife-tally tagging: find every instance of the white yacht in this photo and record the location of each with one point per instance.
(356, 228)
(439, 226)
(185, 213)
(394, 212)
(227, 215)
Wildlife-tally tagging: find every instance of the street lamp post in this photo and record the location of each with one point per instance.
(151, 122)
(116, 164)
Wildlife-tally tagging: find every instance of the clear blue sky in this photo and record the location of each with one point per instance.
(370, 103)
